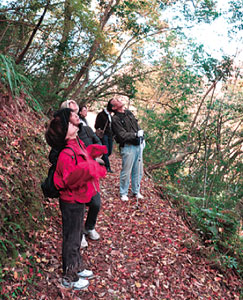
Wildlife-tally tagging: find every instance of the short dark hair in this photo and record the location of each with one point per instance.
(81, 107)
(109, 106)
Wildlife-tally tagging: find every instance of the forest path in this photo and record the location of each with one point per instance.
(144, 253)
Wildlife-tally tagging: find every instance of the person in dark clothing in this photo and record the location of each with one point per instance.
(129, 136)
(103, 122)
(86, 133)
(95, 204)
(83, 111)
(77, 181)
(92, 137)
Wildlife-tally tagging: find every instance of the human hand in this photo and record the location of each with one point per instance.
(96, 170)
(140, 133)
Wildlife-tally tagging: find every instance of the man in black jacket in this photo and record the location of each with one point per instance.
(103, 122)
(129, 136)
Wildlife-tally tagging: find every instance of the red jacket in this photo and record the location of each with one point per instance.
(78, 183)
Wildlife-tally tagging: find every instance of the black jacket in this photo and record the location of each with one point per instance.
(101, 121)
(87, 135)
(125, 127)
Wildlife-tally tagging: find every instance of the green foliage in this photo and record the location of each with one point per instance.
(131, 12)
(211, 67)
(29, 275)
(78, 48)
(128, 84)
(203, 11)
(163, 131)
(209, 175)
(47, 98)
(12, 77)
(217, 227)
(229, 262)
(236, 8)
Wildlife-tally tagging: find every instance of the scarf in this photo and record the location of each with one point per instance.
(108, 114)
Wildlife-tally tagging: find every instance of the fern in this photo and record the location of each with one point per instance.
(12, 78)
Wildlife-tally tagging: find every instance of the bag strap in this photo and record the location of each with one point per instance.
(105, 125)
(74, 154)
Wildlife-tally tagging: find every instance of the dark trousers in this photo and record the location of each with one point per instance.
(72, 226)
(108, 142)
(94, 208)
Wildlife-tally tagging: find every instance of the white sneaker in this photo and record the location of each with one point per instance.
(93, 234)
(86, 274)
(139, 196)
(124, 198)
(84, 243)
(76, 285)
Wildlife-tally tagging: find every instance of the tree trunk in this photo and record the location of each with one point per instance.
(57, 74)
(22, 54)
(108, 12)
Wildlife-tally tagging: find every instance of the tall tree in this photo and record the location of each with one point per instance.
(82, 49)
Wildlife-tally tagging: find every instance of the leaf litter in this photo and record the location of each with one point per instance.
(143, 252)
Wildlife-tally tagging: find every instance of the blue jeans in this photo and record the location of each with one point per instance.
(108, 142)
(132, 166)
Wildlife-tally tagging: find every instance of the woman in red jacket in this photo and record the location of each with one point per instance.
(77, 179)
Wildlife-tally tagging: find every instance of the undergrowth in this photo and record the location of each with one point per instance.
(22, 211)
(218, 229)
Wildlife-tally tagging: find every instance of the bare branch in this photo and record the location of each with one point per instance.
(212, 87)
(179, 158)
(22, 54)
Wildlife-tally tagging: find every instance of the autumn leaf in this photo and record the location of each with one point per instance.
(15, 275)
(143, 251)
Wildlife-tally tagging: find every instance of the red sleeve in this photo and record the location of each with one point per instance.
(96, 150)
(69, 175)
(83, 172)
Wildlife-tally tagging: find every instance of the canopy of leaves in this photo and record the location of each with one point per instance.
(80, 49)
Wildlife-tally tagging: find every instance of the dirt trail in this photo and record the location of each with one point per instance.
(144, 253)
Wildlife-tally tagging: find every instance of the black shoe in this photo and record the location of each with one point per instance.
(109, 170)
